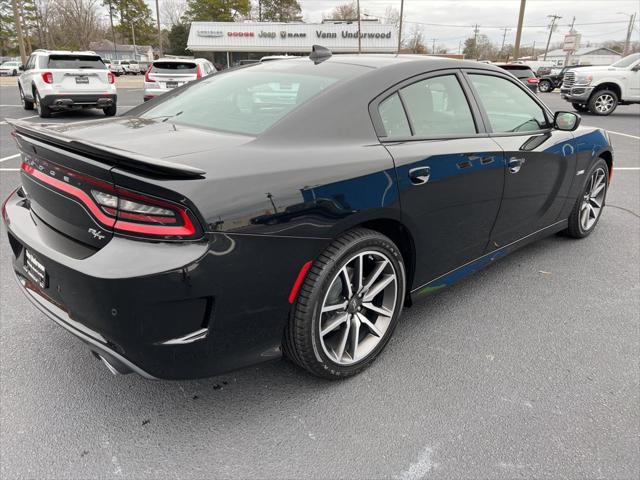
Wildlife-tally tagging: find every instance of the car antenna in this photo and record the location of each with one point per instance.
(319, 54)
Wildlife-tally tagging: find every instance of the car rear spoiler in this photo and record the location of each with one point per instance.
(105, 153)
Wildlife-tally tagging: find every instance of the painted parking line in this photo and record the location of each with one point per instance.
(9, 169)
(9, 157)
(23, 118)
(616, 169)
(624, 135)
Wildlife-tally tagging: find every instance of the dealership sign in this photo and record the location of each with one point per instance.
(291, 37)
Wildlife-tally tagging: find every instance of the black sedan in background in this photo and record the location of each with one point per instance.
(291, 207)
(522, 73)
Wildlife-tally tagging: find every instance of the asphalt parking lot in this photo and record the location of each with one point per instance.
(527, 369)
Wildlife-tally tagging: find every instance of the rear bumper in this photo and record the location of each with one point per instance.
(171, 311)
(63, 100)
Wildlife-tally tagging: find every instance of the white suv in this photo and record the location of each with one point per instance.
(58, 80)
(168, 73)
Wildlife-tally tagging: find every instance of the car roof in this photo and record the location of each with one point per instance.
(180, 59)
(65, 52)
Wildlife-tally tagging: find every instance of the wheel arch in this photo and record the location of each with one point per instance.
(401, 235)
(607, 156)
(614, 87)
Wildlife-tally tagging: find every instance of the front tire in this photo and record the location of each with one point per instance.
(603, 102)
(589, 205)
(580, 107)
(26, 104)
(348, 305)
(545, 86)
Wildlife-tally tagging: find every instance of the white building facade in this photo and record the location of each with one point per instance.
(267, 38)
(584, 56)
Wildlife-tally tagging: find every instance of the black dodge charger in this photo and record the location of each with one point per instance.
(290, 207)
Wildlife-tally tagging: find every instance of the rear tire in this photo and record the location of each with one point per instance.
(110, 111)
(603, 102)
(344, 314)
(26, 104)
(545, 86)
(43, 110)
(590, 203)
(580, 107)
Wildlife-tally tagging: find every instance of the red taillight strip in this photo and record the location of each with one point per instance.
(187, 229)
(71, 190)
(296, 286)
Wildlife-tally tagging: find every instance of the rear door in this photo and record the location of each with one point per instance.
(78, 73)
(539, 161)
(450, 173)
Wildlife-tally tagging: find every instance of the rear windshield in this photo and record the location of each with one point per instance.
(76, 61)
(520, 71)
(251, 99)
(173, 67)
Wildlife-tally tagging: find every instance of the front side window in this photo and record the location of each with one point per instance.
(508, 107)
(437, 106)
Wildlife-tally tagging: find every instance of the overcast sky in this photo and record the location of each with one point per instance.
(492, 16)
(499, 13)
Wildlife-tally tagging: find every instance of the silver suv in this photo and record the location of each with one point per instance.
(58, 80)
(168, 73)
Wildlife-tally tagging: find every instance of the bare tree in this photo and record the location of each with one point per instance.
(171, 12)
(347, 11)
(391, 16)
(415, 41)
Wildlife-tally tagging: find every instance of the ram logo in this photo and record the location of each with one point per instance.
(96, 233)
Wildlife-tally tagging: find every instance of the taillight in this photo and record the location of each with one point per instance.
(198, 72)
(47, 77)
(111, 77)
(533, 80)
(146, 76)
(123, 210)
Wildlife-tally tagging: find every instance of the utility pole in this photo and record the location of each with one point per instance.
(516, 47)
(133, 37)
(259, 10)
(533, 49)
(399, 26)
(476, 30)
(504, 37)
(159, 30)
(18, 22)
(359, 30)
(113, 32)
(632, 20)
(567, 58)
(459, 47)
(552, 27)
(433, 48)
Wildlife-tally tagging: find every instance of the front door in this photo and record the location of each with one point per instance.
(539, 161)
(450, 174)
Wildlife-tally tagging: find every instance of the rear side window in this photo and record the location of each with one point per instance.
(437, 106)
(250, 100)
(75, 61)
(173, 67)
(508, 107)
(393, 118)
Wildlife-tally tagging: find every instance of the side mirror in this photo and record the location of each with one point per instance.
(21, 68)
(566, 121)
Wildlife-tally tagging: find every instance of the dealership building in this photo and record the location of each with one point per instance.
(230, 42)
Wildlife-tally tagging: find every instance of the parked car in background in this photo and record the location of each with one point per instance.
(167, 73)
(59, 80)
(599, 90)
(132, 67)
(116, 67)
(212, 228)
(10, 68)
(522, 72)
(552, 80)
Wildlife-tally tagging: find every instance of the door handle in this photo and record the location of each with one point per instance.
(420, 175)
(515, 164)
